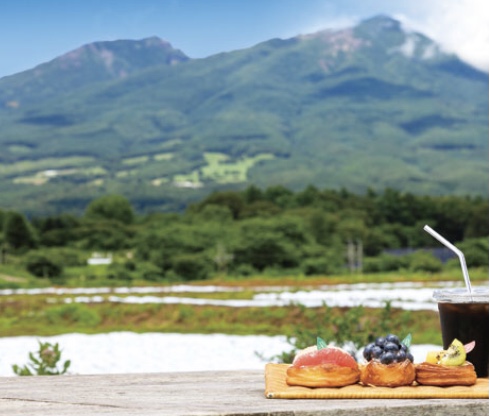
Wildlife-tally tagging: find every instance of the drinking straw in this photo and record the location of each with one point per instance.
(460, 255)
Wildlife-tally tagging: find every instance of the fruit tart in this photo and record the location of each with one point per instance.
(322, 366)
(447, 367)
(389, 362)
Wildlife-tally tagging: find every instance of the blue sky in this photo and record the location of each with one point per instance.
(36, 31)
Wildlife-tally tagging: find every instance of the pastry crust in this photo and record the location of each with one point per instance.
(388, 375)
(322, 375)
(444, 375)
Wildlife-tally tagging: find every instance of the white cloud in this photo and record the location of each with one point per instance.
(409, 46)
(459, 26)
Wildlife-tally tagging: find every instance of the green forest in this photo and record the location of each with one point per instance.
(271, 231)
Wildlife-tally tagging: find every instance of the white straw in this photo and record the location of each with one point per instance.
(456, 251)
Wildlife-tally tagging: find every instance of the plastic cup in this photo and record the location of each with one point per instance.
(465, 316)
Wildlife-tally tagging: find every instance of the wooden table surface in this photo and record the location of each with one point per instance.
(193, 394)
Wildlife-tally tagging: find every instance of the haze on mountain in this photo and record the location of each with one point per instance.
(368, 107)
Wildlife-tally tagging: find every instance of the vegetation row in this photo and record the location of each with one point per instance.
(242, 233)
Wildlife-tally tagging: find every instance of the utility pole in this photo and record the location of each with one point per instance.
(359, 256)
(350, 255)
(354, 255)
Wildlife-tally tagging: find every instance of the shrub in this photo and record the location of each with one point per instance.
(422, 261)
(130, 265)
(192, 266)
(40, 265)
(72, 313)
(371, 265)
(385, 263)
(45, 363)
(118, 271)
(65, 256)
(322, 261)
(69, 257)
(316, 266)
(150, 272)
(244, 270)
(476, 252)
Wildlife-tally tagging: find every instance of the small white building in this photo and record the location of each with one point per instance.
(98, 259)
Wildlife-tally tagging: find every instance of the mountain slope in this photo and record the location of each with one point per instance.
(85, 66)
(370, 106)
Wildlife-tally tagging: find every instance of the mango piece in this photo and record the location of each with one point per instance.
(433, 357)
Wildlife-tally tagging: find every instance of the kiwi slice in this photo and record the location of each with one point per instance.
(454, 354)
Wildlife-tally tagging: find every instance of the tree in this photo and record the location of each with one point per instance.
(104, 235)
(252, 194)
(308, 197)
(279, 195)
(56, 230)
(111, 207)
(18, 234)
(233, 200)
(321, 225)
(478, 222)
(269, 243)
(222, 258)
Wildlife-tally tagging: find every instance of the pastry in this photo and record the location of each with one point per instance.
(389, 363)
(447, 367)
(323, 366)
(443, 375)
(388, 375)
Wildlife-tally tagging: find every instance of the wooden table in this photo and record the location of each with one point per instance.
(193, 394)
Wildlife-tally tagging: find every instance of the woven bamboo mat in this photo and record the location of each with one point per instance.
(277, 388)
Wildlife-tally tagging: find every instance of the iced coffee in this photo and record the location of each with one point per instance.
(465, 316)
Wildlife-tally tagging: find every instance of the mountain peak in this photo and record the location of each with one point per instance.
(91, 63)
(380, 22)
(121, 57)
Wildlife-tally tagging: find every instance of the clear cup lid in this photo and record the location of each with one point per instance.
(461, 295)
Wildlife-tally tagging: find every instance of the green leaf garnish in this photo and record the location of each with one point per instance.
(321, 343)
(407, 341)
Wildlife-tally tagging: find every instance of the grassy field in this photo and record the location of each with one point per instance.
(221, 170)
(50, 314)
(14, 276)
(218, 168)
(44, 164)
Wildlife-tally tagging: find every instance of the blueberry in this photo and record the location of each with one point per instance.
(400, 356)
(387, 358)
(367, 352)
(390, 346)
(380, 341)
(410, 357)
(404, 348)
(393, 338)
(376, 352)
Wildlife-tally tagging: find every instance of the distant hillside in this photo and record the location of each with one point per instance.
(369, 106)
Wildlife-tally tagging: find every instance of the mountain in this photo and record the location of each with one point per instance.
(371, 106)
(85, 66)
